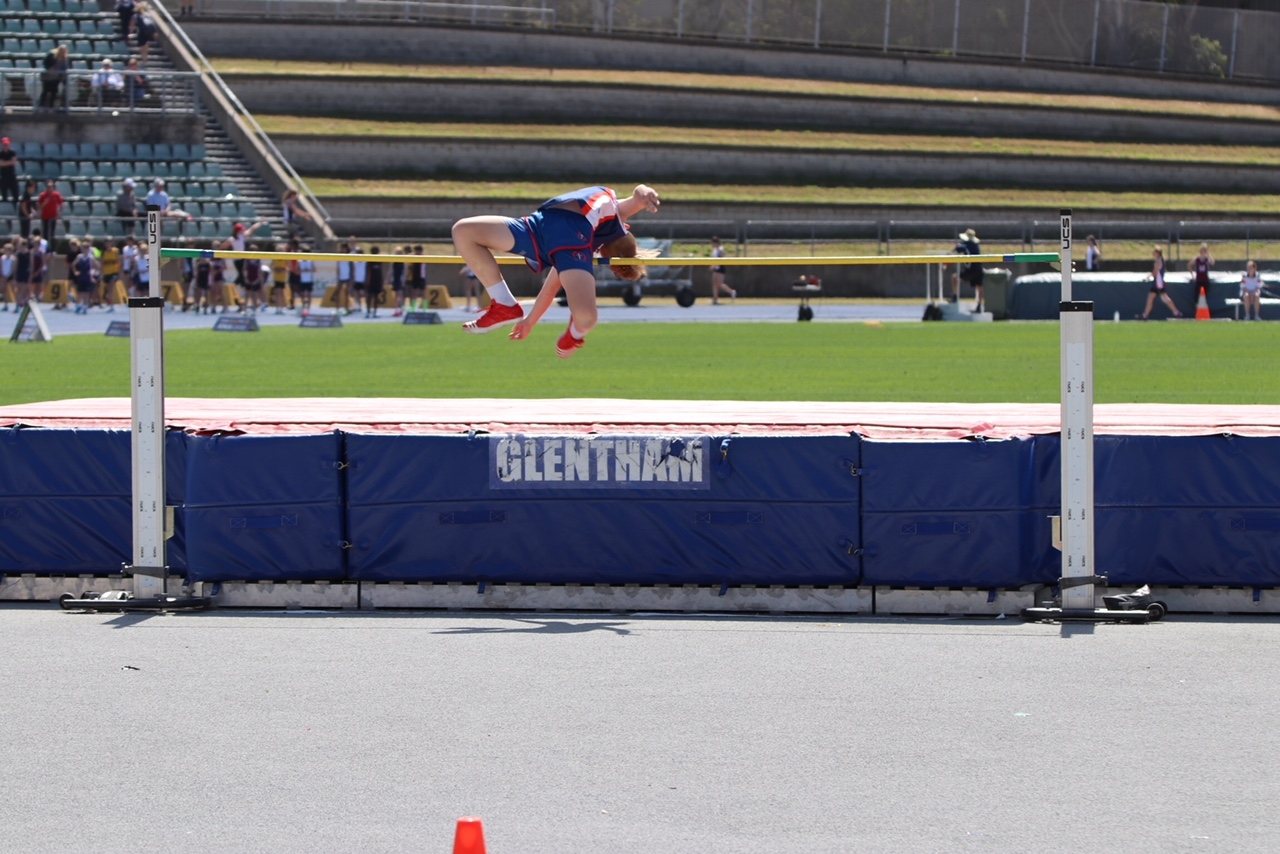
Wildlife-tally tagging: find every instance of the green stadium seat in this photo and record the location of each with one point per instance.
(198, 152)
(124, 151)
(87, 168)
(67, 27)
(107, 151)
(143, 151)
(99, 209)
(162, 151)
(106, 169)
(181, 151)
(64, 187)
(209, 229)
(102, 189)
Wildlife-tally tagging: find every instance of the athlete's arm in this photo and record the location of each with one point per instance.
(550, 288)
(643, 198)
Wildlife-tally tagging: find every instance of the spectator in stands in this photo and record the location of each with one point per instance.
(237, 242)
(107, 84)
(110, 261)
(251, 281)
(279, 279)
(1092, 256)
(373, 284)
(142, 271)
(127, 206)
(125, 9)
(27, 208)
(417, 281)
(470, 286)
(39, 265)
(1251, 291)
(717, 275)
(136, 82)
(53, 76)
(201, 282)
(359, 273)
(158, 197)
(291, 206)
(1158, 286)
(22, 270)
(50, 203)
(7, 262)
(1199, 267)
(306, 283)
(397, 279)
(85, 272)
(8, 172)
(144, 30)
(129, 265)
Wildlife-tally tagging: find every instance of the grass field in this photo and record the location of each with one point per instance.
(1155, 362)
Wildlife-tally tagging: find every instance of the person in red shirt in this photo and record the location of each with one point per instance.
(50, 203)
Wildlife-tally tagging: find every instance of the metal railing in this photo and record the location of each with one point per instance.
(206, 70)
(1161, 37)
(535, 14)
(152, 92)
(1029, 234)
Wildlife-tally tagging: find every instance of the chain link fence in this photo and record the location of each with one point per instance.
(1146, 36)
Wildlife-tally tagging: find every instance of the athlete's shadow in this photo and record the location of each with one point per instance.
(552, 627)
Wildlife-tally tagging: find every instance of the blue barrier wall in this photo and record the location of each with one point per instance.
(820, 510)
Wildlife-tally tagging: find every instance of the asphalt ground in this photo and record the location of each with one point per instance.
(655, 310)
(313, 732)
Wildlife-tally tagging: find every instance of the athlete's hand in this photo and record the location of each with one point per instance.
(521, 330)
(647, 196)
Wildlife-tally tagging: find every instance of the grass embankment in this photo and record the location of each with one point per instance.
(1156, 362)
(1230, 155)
(749, 83)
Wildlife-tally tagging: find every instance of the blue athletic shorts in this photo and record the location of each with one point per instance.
(553, 238)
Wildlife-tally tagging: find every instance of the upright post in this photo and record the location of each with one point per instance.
(955, 32)
(1235, 32)
(888, 12)
(1164, 38)
(1076, 329)
(817, 25)
(1093, 51)
(1026, 27)
(146, 334)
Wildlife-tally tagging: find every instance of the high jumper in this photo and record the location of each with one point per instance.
(560, 237)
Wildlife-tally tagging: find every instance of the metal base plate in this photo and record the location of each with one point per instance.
(117, 601)
(1097, 615)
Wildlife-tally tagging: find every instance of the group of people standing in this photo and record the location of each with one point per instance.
(93, 269)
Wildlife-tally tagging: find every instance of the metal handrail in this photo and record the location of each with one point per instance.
(183, 98)
(474, 13)
(208, 70)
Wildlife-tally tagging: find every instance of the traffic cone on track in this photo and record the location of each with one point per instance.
(1202, 307)
(469, 838)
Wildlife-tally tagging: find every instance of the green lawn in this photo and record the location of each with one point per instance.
(1155, 362)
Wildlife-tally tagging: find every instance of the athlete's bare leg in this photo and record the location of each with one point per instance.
(477, 238)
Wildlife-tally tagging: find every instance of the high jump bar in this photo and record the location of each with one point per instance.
(779, 261)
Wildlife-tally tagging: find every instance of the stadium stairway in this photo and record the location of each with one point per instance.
(213, 180)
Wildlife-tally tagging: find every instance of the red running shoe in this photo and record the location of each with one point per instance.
(497, 315)
(567, 344)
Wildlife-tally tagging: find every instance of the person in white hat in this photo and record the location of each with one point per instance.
(127, 206)
(971, 273)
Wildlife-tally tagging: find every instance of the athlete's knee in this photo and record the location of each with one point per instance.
(585, 317)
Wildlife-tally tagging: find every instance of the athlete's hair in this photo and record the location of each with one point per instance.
(624, 247)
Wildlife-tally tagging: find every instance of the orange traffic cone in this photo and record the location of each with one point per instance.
(1202, 307)
(469, 838)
